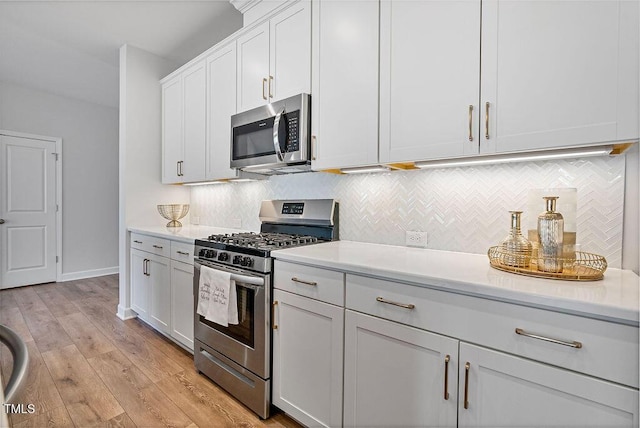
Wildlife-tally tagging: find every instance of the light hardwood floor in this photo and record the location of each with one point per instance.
(89, 368)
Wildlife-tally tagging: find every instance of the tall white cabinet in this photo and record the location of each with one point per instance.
(429, 74)
(221, 105)
(469, 77)
(184, 127)
(344, 102)
(274, 58)
(558, 74)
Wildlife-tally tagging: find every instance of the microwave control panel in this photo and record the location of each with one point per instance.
(293, 124)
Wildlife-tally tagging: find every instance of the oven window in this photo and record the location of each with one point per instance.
(244, 331)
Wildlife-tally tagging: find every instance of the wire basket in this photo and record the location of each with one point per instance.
(582, 267)
(173, 212)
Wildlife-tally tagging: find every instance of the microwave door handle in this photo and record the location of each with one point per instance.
(276, 136)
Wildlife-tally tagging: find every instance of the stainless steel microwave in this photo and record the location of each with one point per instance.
(274, 138)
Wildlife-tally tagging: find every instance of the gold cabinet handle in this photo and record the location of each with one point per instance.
(572, 344)
(159, 247)
(467, 366)
(270, 80)
(470, 122)
(313, 147)
(273, 315)
(182, 252)
(264, 84)
(137, 242)
(294, 279)
(391, 302)
(486, 120)
(446, 376)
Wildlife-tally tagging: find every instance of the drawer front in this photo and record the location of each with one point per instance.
(151, 244)
(182, 252)
(607, 350)
(320, 284)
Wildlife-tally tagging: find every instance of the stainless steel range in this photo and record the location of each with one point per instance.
(238, 357)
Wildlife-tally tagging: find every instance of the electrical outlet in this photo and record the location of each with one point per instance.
(416, 239)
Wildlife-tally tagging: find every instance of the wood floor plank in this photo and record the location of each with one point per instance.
(159, 342)
(58, 417)
(45, 329)
(70, 291)
(7, 299)
(27, 299)
(120, 421)
(86, 336)
(154, 364)
(143, 401)
(205, 402)
(39, 388)
(57, 303)
(87, 399)
(12, 318)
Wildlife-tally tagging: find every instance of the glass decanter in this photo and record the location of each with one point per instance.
(550, 237)
(516, 247)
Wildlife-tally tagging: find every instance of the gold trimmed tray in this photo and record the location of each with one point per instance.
(582, 267)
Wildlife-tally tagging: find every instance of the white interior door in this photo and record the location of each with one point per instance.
(28, 211)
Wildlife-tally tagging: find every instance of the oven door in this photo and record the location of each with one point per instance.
(248, 343)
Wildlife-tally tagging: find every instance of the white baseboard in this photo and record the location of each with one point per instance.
(126, 313)
(72, 276)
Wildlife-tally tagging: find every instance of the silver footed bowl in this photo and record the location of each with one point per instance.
(173, 212)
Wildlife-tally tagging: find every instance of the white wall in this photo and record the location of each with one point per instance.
(140, 152)
(89, 135)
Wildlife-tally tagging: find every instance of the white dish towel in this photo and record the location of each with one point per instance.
(217, 298)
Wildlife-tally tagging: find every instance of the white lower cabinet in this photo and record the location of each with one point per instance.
(308, 337)
(150, 289)
(504, 390)
(182, 302)
(159, 314)
(162, 286)
(396, 375)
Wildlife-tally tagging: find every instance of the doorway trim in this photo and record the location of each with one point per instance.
(58, 143)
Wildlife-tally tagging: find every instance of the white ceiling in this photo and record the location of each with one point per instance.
(71, 48)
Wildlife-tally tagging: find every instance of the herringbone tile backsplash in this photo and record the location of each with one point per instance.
(461, 209)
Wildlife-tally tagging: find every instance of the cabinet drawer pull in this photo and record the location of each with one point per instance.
(137, 242)
(572, 344)
(264, 84)
(273, 315)
(182, 252)
(313, 147)
(486, 120)
(446, 376)
(159, 247)
(467, 366)
(294, 279)
(470, 122)
(178, 168)
(402, 305)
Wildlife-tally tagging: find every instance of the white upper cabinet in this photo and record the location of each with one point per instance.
(558, 74)
(221, 105)
(274, 58)
(253, 68)
(171, 130)
(429, 72)
(184, 126)
(553, 74)
(344, 102)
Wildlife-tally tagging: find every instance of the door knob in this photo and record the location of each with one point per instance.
(1, 221)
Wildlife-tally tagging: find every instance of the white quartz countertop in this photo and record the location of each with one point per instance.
(614, 298)
(187, 233)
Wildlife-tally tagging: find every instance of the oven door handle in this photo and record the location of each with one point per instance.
(247, 279)
(276, 135)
